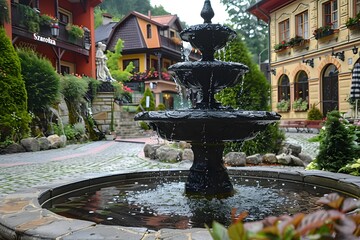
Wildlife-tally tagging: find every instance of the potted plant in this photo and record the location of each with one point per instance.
(300, 105)
(296, 41)
(281, 46)
(353, 23)
(283, 105)
(75, 32)
(323, 31)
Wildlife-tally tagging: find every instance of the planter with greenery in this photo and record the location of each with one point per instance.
(29, 18)
(283, 105)
(300, 105)
(353, 23)
(324, 31)
(48, 20)
(283, 45)
(75, 32)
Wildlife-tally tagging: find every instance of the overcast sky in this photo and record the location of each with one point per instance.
(189, 10)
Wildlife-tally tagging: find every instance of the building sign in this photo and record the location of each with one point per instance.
(44, 39)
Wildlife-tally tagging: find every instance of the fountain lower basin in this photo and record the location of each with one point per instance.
(22, 215)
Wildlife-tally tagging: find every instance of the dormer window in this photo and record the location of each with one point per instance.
(148, 31)
(172, 34)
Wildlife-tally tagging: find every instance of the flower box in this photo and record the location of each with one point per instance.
(325, 33)
(355, 26)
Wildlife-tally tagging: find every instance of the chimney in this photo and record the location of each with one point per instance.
(106, 18)
(149, 14)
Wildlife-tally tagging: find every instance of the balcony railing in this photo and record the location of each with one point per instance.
(18, 20)
(169, 43)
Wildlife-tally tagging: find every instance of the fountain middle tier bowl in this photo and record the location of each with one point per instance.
(208, 75)
(207, 126)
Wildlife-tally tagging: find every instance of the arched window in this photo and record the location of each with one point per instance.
(301, 86)
(148, 30)
(284, 88)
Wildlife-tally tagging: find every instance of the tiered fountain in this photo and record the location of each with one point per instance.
(208, 125)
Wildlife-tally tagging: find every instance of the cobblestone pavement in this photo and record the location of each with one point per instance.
(24, 170)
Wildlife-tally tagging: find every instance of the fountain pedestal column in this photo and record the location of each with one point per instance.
(208, 175)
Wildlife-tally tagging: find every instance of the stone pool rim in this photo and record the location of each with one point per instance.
(23, 218)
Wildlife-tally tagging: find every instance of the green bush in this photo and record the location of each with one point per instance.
(352, 168)
(14, 118)
(143, 101)
(41, 80)
(161, 107)
(267, 141)
(314, 113)
(144, 126)
(337, 147)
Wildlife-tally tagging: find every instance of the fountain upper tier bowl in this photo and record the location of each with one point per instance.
(210, 126)
(208, 76)
(208, 38)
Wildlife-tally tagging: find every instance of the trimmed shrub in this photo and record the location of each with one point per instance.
(143, 101)
(314, 113)
(161, 107)
(337, 147)
(41, 80)
(14, 118)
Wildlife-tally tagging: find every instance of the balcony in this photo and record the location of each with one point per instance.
(20, 26)
(169, 43)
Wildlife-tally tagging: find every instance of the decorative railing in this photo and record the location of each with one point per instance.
(170, 43)
(18, 20)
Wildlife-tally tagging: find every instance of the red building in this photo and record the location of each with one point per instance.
(67, 54)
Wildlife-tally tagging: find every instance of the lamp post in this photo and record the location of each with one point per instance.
(260, 56)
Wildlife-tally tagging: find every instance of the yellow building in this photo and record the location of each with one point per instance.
(152, 44)
(313, 50)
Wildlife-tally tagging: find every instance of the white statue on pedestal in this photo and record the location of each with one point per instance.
(102, 71)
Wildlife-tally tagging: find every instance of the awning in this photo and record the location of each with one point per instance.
(355, 87)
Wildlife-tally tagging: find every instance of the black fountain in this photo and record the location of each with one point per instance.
(208, 125)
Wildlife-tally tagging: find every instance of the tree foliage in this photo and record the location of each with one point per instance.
(41, 80)
(337, 147)
(113, 64)
(252, 31)
(14, 118)
(121, 8)
(253, 92)
(4, 12)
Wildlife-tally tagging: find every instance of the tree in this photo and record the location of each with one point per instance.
(122, 8)
(253, 32)
(113, 64)
(253, 93)
(158, 11)
(337, 147)
(14, 118)
(4, 12)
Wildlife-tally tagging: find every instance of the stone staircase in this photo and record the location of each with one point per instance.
(126, 127)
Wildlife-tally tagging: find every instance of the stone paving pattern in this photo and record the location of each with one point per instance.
(24, 171)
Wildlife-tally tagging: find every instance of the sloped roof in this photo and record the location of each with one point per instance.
(263, 8)
(103, 32)
(166, 20)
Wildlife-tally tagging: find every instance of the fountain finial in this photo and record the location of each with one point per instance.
(207, 12)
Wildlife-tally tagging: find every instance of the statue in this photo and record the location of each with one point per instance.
(102, 71)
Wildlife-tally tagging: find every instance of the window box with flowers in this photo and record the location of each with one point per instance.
(300, 105)
(283, 105)
(324, 31)
(297, 41)
(283, 45)
(75, 32)
(353, 23)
